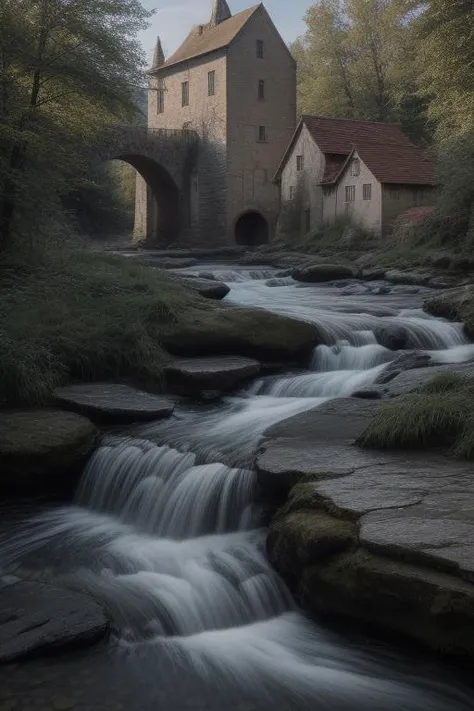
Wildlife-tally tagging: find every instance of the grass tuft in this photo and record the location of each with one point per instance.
(83, 315)
(440, 415)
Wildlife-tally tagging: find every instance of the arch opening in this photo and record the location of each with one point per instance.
(162, 218)
(251, 229)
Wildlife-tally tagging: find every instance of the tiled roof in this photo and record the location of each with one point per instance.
(384, 148)
(397, 164)
(210, 39)
(338, 135)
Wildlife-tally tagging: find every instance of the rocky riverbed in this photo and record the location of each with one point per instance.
(167, 532)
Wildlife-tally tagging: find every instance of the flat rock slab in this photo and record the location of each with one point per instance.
(40, 619)
(111, 403)
(38, 447)
(411, 380)
(208, 288)
(222, 373)
(317, 273)
(315, 444)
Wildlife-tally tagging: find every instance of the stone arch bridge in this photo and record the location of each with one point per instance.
(167, 161)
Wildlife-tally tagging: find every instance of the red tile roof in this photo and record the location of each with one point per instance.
(210, 39)
(384, 148)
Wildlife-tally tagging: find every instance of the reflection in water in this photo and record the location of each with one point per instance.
(166, 535)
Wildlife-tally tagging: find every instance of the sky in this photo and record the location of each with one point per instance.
(174, 18)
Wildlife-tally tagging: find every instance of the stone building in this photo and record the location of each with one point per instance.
(363, 169)
(233, 82)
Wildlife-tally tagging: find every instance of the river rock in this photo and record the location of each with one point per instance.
(316, 273)
(455, 305)
(405, 361)
(387, 540)
(113, 403)
(392, 336)
(43, 450)
(300, 448)
(248, 332)
(209, 288)
(373, 274)
(40, 619)
(219, 373)
(412, 380)
(418, 278)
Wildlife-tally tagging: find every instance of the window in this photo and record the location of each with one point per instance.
(211, 83)
(307, 220)
(350, 193)
(260, 49)
(292, 192)
(185, 93)
(394, 193)
(160, 106)
(262, 134)
(355, 167)
(261, 89)
(299, 163)
(367, 191)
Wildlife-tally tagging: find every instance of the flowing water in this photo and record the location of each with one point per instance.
(165, 533)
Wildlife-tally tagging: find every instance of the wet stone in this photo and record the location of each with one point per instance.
(189, 376)
(36, 619)
(113, 402)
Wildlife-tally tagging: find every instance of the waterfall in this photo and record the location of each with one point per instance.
(165, 532)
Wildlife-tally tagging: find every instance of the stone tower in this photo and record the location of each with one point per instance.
(233, 82)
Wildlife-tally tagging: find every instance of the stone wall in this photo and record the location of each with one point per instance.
(252, 164)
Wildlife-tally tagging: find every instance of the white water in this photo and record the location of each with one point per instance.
(166, 535)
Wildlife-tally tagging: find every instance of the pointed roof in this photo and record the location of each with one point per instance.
(204, 39)
(220, 12)
(158, 55)
(385, 149)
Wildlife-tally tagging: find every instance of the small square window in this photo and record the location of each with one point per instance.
(185, 93)
(211, 83)
(262, 134)
(292, 192)
(261, 89)
(367, 191)
(355, 167)
(350, 193)
(299, 163)
(260, 49)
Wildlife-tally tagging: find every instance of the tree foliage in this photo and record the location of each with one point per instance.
(357, 60)
(67, 68)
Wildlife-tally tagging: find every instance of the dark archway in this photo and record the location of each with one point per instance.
(167, 218)
(251, 229)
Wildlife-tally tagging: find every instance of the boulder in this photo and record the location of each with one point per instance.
(209, 288)
(392, 336)
(429, 606)
(42, 451)
(368, 394)
(411, 278)
(455, 305)
(250, 332)
(113, 403)
(317, 273)
(441, 260)
(373, 274)
(414, 379)
(40, 619)
(405, 361)
(192, 376)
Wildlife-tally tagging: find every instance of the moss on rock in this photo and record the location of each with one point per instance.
(242, 331)
(38, 448)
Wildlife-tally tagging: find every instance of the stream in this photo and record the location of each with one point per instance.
(166, 534)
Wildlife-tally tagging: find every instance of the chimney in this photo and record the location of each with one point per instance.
(220, 12)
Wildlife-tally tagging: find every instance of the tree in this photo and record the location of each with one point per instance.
(357, 60)
(67, 67)
(446, 62)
